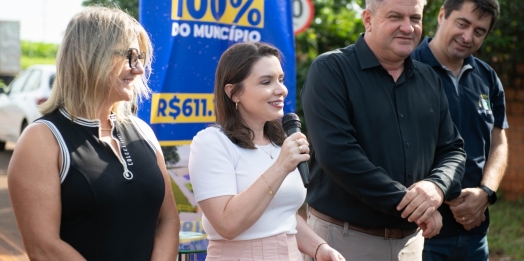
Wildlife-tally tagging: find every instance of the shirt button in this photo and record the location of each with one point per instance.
(410, 176)
(401, 115)
(407, 145)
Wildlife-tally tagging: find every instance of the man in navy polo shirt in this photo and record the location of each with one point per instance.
(478, 109)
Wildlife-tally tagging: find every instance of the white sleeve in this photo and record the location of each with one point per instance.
(147, 133)
(212, 165)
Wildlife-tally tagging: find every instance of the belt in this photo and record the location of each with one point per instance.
(381, 232)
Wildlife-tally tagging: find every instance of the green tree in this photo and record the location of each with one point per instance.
(429, 20)
(503, 48)
(129, 6)
(37, 49)
(171, 156)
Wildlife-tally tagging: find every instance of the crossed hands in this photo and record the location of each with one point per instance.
(468, 209)
(420, 205)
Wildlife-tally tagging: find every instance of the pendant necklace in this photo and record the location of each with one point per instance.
(270, 145)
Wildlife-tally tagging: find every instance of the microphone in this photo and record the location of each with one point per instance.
(291, 124)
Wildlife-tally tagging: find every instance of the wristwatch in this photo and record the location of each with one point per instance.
(492, 195)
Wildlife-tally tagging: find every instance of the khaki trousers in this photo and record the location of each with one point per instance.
(357, 246)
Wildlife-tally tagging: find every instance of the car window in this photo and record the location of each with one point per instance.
(18, 83)
(33, 81)
(51, 81)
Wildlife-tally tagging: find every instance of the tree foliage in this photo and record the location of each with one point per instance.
(129, 6)
(37, 49)
(503, 48)
(429, 19)
(171, 156)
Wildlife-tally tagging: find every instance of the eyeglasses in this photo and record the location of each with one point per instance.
(133, 56)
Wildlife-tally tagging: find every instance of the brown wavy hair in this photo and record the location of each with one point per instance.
(234, 67)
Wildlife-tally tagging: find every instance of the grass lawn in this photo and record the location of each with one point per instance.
(506, 232)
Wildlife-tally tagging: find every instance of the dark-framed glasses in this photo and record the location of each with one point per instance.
(133, 56)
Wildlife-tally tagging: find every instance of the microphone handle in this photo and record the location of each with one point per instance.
(292, 130)
(302, 166)
(304, 172)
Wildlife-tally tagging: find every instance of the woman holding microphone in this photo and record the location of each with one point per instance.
(243, 169)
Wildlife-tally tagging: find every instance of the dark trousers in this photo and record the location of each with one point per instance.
(459, 248)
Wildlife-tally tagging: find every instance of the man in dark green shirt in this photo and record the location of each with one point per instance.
(384, 151)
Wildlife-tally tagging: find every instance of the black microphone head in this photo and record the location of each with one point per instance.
(291, 120)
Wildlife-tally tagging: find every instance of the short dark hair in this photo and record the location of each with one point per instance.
(482, 7)
(234, 67)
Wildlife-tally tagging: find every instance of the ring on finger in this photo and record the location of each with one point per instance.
(463, 219)
(298, 143)
(300, 149)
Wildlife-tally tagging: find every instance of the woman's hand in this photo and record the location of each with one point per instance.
(295, 149)
(327, 253)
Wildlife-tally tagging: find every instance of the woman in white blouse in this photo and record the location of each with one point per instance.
(243, 169)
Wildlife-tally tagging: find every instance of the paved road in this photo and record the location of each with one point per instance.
(11, 248)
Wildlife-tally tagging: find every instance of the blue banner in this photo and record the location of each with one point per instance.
(189, 36)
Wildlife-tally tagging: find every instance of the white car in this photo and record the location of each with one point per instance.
(19, 105)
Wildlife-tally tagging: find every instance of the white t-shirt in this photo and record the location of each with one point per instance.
(218, 167)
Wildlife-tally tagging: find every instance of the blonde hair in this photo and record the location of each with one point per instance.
(93, 48)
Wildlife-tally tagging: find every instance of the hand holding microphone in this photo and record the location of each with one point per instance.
(291, 124)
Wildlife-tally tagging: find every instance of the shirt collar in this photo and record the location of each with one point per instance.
(427, 57)
(86, 122)
(367, 58)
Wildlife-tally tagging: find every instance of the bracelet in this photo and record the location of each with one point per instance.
(318, 247)
(267, 184)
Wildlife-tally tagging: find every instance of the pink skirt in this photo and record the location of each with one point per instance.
(282, 247)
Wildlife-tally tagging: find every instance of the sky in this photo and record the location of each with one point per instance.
(40, 20)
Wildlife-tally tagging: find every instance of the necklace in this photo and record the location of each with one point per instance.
(270, 145)
(110, 129)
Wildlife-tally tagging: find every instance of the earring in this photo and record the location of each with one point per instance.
(236, 106)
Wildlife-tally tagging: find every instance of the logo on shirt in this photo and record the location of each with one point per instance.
(484, 104)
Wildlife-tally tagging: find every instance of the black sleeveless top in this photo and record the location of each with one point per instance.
(108, 213)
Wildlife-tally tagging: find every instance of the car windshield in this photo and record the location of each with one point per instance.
(33, 81)
(18, 83)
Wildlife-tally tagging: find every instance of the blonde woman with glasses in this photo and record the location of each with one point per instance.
(87, 180)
